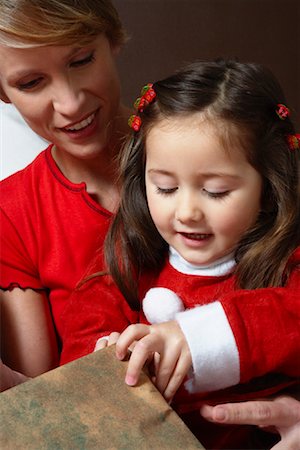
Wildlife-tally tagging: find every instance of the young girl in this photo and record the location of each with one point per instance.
(210, 201)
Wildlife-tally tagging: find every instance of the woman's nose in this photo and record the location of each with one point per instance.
(67, 99)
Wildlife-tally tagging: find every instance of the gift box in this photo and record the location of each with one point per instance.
(87, 405)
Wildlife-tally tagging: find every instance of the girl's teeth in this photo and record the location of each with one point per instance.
(84, 123)
(195, 235)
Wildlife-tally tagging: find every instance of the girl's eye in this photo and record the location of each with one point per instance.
(83, 61)
(165, 191)
(29, 84)
(217, 195)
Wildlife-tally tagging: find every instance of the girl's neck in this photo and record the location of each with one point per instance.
(217, 268)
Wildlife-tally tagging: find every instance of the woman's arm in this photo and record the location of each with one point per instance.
(28, 341)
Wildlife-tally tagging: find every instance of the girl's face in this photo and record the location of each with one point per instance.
(202, 197)
(68, 94)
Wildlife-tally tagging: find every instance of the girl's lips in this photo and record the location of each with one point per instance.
(195, 240)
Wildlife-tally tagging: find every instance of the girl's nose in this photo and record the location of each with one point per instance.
(188, 209)
(67, 99)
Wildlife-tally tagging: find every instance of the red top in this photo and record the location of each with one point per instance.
(50, 229)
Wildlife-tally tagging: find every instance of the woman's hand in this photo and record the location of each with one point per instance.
(165, 346)
(10, 378)
(281, 413)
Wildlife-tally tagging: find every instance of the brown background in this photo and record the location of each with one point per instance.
(165, 34)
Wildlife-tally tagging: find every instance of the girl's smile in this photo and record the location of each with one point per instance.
(202, 196)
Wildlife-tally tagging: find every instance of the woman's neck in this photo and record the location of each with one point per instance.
(99, 173)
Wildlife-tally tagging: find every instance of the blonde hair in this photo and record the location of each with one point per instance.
(33, 23)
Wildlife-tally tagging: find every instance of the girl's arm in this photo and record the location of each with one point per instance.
(244, 335)
(28, 342)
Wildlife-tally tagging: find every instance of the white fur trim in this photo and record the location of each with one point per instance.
(213, 348)
(161, 304)
(216, 269)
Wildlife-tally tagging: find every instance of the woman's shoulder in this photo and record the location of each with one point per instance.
(21, 187)
(26, 175)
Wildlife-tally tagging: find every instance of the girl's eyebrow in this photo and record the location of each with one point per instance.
(220, 175)
(160, 172)
(201, 174)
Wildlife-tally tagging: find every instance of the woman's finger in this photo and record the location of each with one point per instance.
(281, 412)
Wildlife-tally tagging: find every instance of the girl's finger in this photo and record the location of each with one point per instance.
(164, 370)
(126, 339)
(112, 338)
(101, 343)
(182, 367)
(143, 350)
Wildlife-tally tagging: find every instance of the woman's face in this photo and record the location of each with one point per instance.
(69, 95)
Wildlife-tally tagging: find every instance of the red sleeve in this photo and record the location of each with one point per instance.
(94, 310)
(15, 261)
(266, 327)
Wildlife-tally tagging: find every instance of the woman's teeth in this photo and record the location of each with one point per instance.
(80, 125)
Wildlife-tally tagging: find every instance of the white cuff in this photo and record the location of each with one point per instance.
(213, 348)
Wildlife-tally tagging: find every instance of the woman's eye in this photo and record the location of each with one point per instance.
(83, 61)
(220, 194)
(29, 84)
(165, 191)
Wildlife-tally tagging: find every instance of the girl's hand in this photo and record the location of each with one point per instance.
(281, 413)
(165, 345)
(106, 341)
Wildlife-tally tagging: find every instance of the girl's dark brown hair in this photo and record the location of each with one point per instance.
(244, 98)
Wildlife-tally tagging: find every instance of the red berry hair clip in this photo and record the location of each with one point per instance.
(147, 96)
(282, 111)
(293, 141)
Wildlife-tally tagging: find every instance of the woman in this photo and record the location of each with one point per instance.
(58, 69)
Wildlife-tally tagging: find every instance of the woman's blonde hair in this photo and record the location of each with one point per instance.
(31, 23)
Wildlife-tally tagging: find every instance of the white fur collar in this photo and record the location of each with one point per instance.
(216, 269)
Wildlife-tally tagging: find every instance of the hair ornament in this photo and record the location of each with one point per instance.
(147, 96)
(293, 141)
(282, 111)
(135, 122)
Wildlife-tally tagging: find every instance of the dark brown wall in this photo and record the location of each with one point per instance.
(165, 34)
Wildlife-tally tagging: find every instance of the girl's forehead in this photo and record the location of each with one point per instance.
(199, 129)
(196, 123)
(229, 133)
